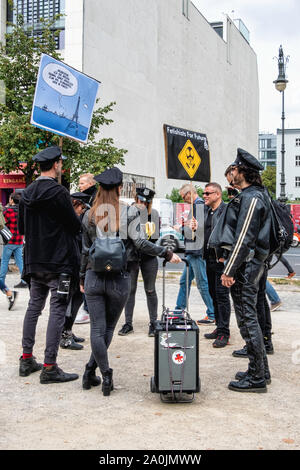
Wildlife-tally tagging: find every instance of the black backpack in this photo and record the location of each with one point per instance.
(282, 230)
(108, 255)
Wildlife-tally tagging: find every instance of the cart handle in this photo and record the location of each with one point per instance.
(187, 283)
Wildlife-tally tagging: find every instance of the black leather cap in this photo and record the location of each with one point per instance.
(48, 154)
(145, 194)
(245, 158)
(82, 197)
(110, 178)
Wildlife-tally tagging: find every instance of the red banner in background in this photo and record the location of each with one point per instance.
(12, 180)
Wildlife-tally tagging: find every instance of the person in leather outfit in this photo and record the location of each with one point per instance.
(106, 294)
(263, 309)
(148, 264)
(241, 237)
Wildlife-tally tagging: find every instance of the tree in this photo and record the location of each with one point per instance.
(269, 180)
(19, 140)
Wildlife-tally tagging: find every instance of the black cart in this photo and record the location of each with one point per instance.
(176, 353)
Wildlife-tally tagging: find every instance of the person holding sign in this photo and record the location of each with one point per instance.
(194, 255)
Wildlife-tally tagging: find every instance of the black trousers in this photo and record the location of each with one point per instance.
(106, 297)
(40, 286)
(244, 294)
(263, 309)
(149, 268)
(75, 302)
(219, 295)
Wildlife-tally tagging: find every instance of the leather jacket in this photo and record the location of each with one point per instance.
(243, 230)
(130, 232)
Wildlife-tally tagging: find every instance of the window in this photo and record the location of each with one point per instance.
(297, 181)
(33, 10)
(297, 160)
(297, 142)
(262, 143)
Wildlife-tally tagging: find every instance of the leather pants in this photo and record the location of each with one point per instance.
(244, 296)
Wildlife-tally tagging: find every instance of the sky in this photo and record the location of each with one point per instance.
(271, 23)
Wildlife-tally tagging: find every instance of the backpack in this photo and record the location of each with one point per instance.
(282, 230)
(108, 255)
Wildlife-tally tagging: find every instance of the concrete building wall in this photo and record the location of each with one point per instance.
(291, 163)
(164, 68)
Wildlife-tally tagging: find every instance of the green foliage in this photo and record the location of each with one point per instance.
(174, 196)
(19, 140)
(269, 180)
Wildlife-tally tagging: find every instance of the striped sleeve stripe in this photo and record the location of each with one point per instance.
(242, 236)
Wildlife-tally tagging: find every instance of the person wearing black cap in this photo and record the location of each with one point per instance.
(147, 263)
(107, 293)
(242, 238)
(68, 339)
(262, 306)
(50, 225)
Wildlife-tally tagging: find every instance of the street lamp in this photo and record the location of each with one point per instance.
(280, 85)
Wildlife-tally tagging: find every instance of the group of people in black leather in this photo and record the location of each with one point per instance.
(47, 219)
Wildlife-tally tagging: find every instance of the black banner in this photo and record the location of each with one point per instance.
(187, 154)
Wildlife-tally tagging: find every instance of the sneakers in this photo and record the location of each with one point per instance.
(212, 335)
(125, 330)
(290, 275)
(206, 321)
(11, 299)
(151, 331)
(82, 317)
(221, 341)
(21, 285)
(28, 366)
(275, 306)
(68, 342)
(54, 374)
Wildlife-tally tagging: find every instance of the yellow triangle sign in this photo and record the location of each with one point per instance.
(189, 159)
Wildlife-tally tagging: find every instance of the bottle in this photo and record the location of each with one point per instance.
(63, 288)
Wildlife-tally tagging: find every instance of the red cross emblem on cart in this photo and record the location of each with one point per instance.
(178, 357)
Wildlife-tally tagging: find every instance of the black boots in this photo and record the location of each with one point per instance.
(107, 384)
(54, 374)
(89, 378)
(242, 375)
(29, 365)
(247, 384)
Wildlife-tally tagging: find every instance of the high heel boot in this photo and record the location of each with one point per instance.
(107, 384)
(89, 378)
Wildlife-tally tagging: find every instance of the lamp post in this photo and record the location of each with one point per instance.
(280, 85)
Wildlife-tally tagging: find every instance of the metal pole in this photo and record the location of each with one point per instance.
(282, 180)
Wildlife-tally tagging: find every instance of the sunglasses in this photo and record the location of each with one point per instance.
(206, 193)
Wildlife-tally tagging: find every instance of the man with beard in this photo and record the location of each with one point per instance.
(50, 225)
(243, 235)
